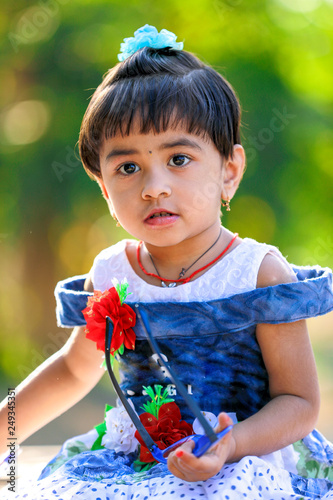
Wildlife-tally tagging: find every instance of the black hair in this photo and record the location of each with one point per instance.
(163, 88)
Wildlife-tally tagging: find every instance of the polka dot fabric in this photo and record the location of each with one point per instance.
(252, 478)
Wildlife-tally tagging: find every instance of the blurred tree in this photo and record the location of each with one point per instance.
(53, 221)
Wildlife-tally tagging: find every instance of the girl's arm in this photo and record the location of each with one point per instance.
(293, 410)
(54, 387)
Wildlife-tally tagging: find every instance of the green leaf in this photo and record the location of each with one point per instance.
(101, 430)
(307, 466)
(150, 391)
(107, 408)
(122, 291)
(157, 399)
(112, 360)
(150, 407)
(142, 466)
(97, 445)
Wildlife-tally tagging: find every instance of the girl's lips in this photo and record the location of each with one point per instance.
(161, 220)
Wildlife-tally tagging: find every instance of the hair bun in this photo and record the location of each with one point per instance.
(148, 36)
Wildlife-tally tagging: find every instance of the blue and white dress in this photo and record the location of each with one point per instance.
(206, 329)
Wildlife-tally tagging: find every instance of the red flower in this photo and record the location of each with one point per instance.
(123, 317)
(165, 430)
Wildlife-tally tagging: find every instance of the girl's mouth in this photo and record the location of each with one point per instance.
(161, 214)
(161, 218)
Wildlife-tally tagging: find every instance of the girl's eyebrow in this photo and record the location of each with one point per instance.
(181, 141)
(120, 152)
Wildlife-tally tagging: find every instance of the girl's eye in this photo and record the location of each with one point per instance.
(128, 168)
(179, 160)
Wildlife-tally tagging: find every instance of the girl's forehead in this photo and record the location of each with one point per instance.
(177, 135)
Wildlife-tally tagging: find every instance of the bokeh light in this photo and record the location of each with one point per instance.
(300, 5)
(25, 122)
(35, 24)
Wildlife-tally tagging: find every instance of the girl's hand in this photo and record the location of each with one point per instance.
(183, 464)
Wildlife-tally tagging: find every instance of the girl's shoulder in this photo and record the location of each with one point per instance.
(272, 266)
(274, 271)
(265, 262)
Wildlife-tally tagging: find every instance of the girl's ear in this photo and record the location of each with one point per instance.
(106, 196)
(233, 168)
(103, 189)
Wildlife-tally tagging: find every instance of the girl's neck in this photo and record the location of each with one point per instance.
(171, 260)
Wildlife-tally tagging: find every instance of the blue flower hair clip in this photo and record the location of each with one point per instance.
(148, 36)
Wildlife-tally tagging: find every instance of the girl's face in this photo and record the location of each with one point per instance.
(164, 188)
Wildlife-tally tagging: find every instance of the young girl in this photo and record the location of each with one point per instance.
(161, 137)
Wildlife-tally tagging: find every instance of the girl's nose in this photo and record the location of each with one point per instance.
(156, 185)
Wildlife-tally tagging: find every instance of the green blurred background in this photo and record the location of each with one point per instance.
(53, 221)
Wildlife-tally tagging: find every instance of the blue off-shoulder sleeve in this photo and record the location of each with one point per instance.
(71, 299)
(311, 295)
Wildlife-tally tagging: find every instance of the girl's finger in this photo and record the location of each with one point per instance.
(224, 421)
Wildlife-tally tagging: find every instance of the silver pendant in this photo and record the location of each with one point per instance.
(170, 285)
(182, 272)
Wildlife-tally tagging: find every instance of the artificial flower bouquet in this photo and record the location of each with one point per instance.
(162, 420)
